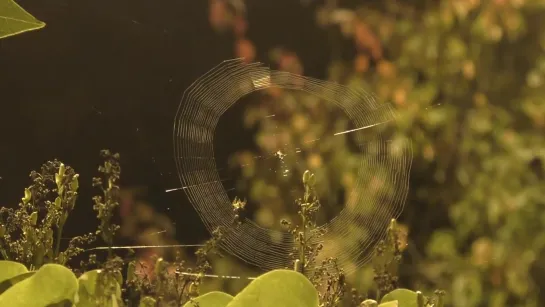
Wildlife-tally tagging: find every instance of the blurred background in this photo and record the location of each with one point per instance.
(466, 76)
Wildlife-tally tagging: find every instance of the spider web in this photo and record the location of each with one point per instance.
(382, 178)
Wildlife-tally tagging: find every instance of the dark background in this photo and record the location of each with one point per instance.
(110, 74)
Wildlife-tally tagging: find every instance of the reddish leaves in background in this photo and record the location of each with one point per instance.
(289, 61)
(223, 17)
(366, 40)
(244, 48)
(218, 14)
(361, 63)
(240, 26)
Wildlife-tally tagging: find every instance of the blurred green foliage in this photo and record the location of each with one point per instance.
(467, 78)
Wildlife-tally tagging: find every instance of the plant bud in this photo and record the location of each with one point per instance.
(62, 169)
(33, 218)
(58, 180)
(393, 225)
(159, 266)
(58, 203)
(419, 299)
(28, 196)
(306, 176)
(74, 185)
(297, 266)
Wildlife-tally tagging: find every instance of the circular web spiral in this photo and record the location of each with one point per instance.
(382, 179)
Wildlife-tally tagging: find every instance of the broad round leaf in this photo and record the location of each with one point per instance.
(10, 269)
(404, 297)
(11, 273)
(390, 304)
(211, 299)
(6, 284)
(51, 284)
(278, 288)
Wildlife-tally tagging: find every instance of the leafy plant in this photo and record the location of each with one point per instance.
(93, 293)
(31, 234)
(106, 204)
(15, 20)
(169, 283)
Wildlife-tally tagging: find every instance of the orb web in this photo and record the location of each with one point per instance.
(380, 189)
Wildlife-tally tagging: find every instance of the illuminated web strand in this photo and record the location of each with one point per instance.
(144, 246)
(175, 246)
(381, 184)
(217, 276)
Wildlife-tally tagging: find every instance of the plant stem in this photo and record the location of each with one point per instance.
(303, 242)
(4, 254)
(58, 241)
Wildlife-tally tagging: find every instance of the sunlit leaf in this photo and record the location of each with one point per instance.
(11, 273)
(404, 297)
(211, 299)
(15, 20)
(6, 284)
(52, 284)
(10, 269)
(278, 288)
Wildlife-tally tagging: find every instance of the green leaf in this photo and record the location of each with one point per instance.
(390, 304)
(50, 285)
(64, 303)
(6, 284)
(87, 289)
(369, 303)
(11, 273)
(147, 301)
(404, 297)
(15, 20)
(10, 269)
(211, 299)
(278, 288)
